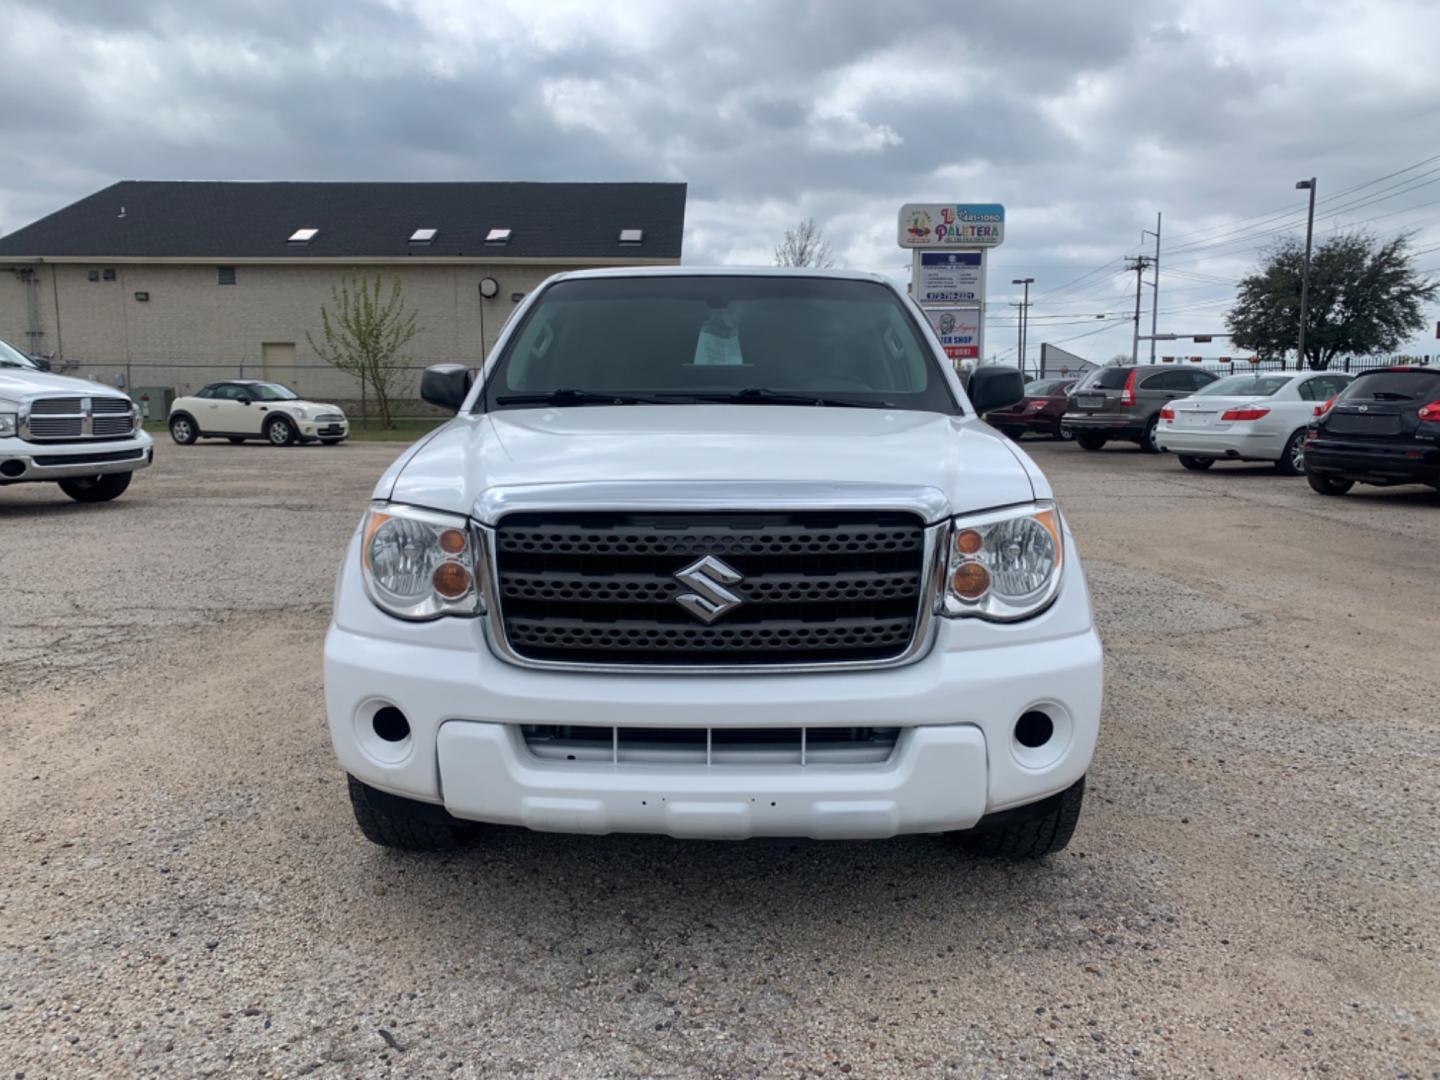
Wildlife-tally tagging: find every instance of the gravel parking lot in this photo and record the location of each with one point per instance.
(1254, 889)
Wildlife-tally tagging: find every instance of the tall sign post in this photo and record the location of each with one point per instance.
(948, 244)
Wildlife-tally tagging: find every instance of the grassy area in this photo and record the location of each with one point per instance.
(403, 431)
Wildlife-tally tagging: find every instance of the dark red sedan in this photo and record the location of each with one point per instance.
(1044, 403)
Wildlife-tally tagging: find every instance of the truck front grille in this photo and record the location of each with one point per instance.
(712, 746)
(57, 418)
(813, 587)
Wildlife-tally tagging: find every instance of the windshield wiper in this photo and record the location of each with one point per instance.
(576, 397)
(760, 396)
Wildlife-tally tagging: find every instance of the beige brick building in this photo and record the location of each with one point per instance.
(180, 284)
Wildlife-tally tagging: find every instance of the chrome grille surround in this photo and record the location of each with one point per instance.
(928, 506)
(68, 418)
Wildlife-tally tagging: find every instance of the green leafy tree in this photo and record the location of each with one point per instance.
(362, 332)
(1365, 297)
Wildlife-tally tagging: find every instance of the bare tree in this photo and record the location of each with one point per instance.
(365, 333)
(805, 245)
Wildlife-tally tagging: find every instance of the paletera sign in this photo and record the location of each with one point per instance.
(929, 225)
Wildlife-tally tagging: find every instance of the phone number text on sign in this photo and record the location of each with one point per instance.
(951, 277)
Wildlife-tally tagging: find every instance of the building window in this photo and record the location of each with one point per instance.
(93, 275)
(108, 275)
(225, 275)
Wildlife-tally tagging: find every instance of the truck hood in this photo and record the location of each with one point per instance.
(966, 461)
(16, 383)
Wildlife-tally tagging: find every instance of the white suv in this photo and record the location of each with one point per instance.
(715, 554)
(79, 434)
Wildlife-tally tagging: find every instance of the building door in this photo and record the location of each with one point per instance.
(277, 361)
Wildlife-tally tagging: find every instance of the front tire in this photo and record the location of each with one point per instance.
(404, 824)
(1292, 458)
(1329, 485)
(1061, 434)
(280, 432)
(183, 430)
(1042, 830)
(1088, 440)
(96, 489)
(1198, 464)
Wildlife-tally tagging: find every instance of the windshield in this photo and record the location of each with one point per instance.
(269, 391)
(743, 339)
(1045, 387)
(12, 357)
(1244, 386)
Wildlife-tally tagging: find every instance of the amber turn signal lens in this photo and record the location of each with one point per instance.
(970, 580)
(451, 580)
(969, 542)
(452, 541)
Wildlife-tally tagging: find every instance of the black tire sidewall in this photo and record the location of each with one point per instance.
(97, 489)
(194, 430)
(290, 433)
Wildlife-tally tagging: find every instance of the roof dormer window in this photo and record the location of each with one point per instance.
(423, 236)
(498, 236)
(303, 236)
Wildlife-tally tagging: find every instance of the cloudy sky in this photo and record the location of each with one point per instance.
(1084, 119)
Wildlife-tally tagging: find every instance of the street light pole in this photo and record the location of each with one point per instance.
(1024, 317)
(1155, 299)
(1303, 185)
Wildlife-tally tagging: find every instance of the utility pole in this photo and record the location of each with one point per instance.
(1140, 262)
(1155, 285)
(1024, 317)
(1019, 332)
(1302, 185)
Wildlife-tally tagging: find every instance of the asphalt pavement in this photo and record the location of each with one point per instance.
(1253, 891)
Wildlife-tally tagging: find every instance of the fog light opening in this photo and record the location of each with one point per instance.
(12, 468)
(390, 724)
(1034, 729)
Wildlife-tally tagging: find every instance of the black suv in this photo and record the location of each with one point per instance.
(1125, 402)
(1384, 428)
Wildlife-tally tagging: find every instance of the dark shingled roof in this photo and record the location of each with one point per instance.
(225, 219)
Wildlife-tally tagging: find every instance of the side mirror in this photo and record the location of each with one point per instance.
(995, 386)
(243, 400)
(446, 385)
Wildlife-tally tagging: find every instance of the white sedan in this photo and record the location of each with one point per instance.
(1258, 417)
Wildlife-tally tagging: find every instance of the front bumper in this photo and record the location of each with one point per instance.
(1195, 442)
(25, 462)
(310, 429)
(956, 759)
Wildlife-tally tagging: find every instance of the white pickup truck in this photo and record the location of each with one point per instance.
(81, 435)
(715, 553)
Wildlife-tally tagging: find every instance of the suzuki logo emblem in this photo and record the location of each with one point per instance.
(711, 599)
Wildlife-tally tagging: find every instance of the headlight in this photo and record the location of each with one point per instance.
(419, 564)
(7, 423)
(298, 411)
(1004, 565)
